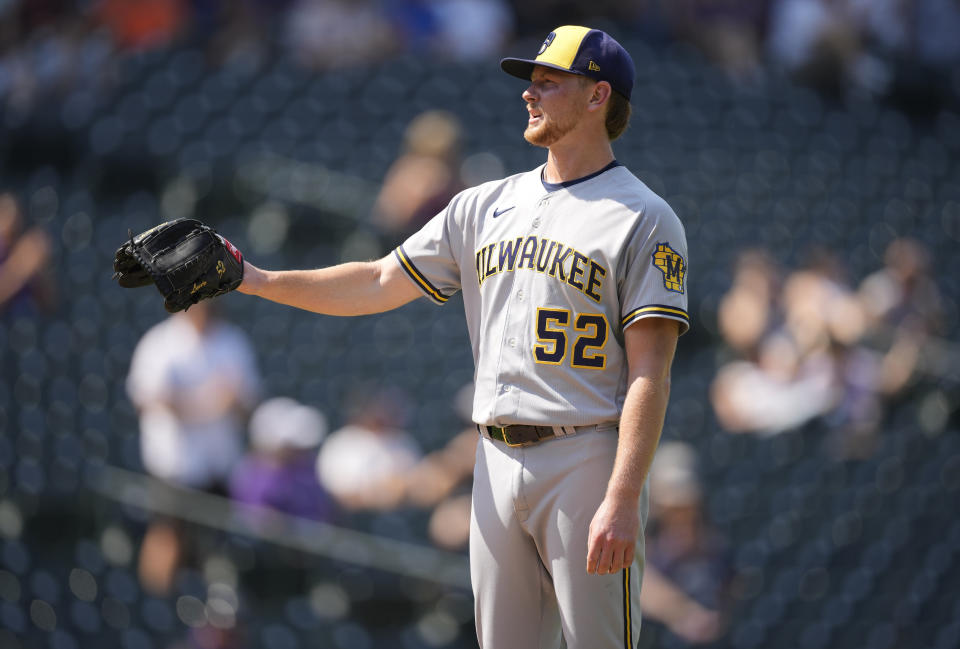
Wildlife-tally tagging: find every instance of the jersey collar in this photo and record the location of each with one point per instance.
(552, 187)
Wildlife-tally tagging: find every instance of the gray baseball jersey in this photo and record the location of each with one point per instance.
(550, 279)
(551, 276)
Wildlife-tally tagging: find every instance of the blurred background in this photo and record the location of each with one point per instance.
(248, 476)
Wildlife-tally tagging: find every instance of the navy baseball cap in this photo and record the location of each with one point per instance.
(580, 50)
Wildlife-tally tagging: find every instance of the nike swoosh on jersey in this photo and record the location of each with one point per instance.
(497, 213)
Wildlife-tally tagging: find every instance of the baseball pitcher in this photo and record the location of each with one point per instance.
(574, 282)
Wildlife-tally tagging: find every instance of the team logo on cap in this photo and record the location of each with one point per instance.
(593, 67)
(671, 263)
(546, 42)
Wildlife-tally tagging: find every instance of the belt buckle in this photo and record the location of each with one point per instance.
(506, 437)
(502, 434)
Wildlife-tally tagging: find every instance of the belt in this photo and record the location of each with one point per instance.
(525, 435)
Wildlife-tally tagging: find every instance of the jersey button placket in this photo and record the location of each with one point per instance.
(519, 339)
(515, 349)
(542, 204)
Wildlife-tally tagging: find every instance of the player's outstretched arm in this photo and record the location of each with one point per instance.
(355, 288)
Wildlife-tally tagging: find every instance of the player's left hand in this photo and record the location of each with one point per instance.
(612, 537)
(186, 260)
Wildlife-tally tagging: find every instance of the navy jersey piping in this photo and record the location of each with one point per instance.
(552, 187)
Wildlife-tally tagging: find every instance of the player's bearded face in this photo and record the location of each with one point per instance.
(550, 127)
(553, 115)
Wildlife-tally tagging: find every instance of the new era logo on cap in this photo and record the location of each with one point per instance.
(580, 50)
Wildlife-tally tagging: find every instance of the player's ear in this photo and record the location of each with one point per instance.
(599, 96)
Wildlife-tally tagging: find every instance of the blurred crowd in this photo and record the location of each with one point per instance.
(50, 47)
(800, 345)
(810, 344)
(26, 280)
(905, 50)
(204, 425)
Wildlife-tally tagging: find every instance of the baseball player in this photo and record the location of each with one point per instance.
(574, 286)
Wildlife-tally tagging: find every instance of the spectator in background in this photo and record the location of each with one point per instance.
(799, 371)
(827, 321)
(279, 470)
(819, 305)
(193, 379)
(537, 17)
(902, 295)
(364, 464)
(143, 24)
(47, 50)
(413, 22)
(729, 32)
(750, 309)
(778, 378)
(26, 283)
(472, 29)
(423, 179)
(235, 31)
(917, 46)
(816, 42)
(818, 348)
(333, 34)
(780, 391)
(903, 310)
(687, 586)
(443, 480)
